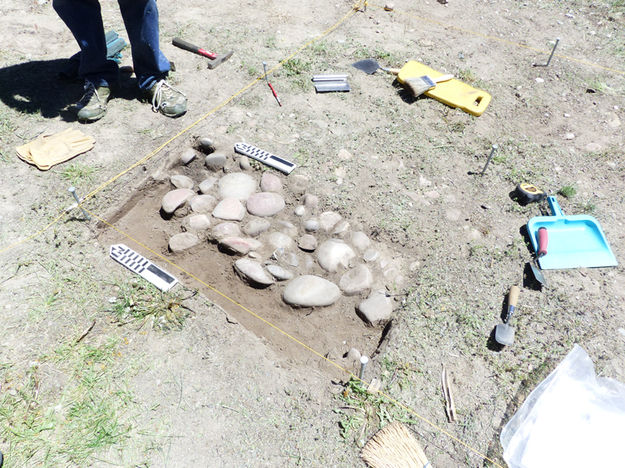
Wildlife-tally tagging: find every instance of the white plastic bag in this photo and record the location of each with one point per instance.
(572, 419)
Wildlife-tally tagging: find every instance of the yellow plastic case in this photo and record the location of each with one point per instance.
(454, 93)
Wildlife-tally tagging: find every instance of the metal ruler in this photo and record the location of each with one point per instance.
(143, 267)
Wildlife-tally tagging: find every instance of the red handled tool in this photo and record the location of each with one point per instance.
(270, 85)
(215, 59)
(543, 240)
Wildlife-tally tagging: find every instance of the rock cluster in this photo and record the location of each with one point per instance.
(277, 235)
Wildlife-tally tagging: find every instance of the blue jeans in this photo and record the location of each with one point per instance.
(84, 19)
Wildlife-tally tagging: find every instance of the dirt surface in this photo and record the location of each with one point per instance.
(227, 389)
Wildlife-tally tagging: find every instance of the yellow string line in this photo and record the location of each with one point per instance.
(504, 41)
(290, 337)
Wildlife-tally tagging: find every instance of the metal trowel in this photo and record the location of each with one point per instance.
(504, 333)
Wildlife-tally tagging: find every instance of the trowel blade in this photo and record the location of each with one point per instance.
(504, 334)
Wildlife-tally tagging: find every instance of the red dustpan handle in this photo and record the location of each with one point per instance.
(543, 240)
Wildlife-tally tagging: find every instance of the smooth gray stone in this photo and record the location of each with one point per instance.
(199, 222)
(215, 162)
(360, 240)
(334, 253)
(252, 272)
(265, 204)
(183, 241)
(175, 199)
(307, 242)
(279, 273)
(256, 226)
(181, 181)
(376, 309)
(311, 225)
(240, 245)
(329, 219)
(356, 280)
(203, 203)
(187, 156)
(206, 145)
(311, 291)
(207, 184)
(227, 229)
(229, 209)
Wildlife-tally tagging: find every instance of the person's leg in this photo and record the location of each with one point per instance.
(150, 64)
(141, 21)
(84, 20)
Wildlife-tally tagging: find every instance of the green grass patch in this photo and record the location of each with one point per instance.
(78, 174)
(568, 191)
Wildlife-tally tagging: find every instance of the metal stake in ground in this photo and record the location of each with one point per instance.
(490, 156)
(72, 190)
(550, 57)
(273, 91)
(363, 363)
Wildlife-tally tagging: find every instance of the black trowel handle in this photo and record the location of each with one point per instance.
(513, 298)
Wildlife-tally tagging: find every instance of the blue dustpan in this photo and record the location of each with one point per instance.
(573, 241)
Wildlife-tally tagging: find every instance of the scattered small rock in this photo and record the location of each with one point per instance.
(207, 184)
(279, 240)
(183, 241)
(252, 272)
(181, 181)
(376, 309)
(286, 227)
(187, 156)
(270, 183)
(307, 243)
(215, 162)
(256, 226)
(300, 210)
(360, 240)
(229, 209)
(333, 254)
(311, 225)
(341, 228)
(298, 183)
(199, 222)
(311, 201)
(285, 258)
(202, 203)
(371, 255)
(279, 273)
(175, 199)
(206, 145)
(239, 245)
(227, 229)
(356, 280)
(265, 204)
(328, 219)
(311, 291)
(569, 136)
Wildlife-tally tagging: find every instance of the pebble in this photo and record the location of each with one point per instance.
(370, 255)
(300, 210)
(187, 156)
(215, 162)
(244, 163)
(353, 355)
(229, 209)
(311, 201)
(311, 225)
(307, 243)
(252, 272)
(279, 273)
(237, 185)
(265, 204)
(183, 241)
(175, 199)
(199, 222)
(270, 183)
(569, 136)
(207, 184)
(223, 230)
(206, 145)
(279, 240)
(356, 280)
(376, 309)
(256, 227)
(341, 228)
(202, 203)
(423, 182)
(328, 219)
(539, 80)
(334, 253)
(181, 181)
(360, 240)
(311, 291)
(286, 258)
(239, 245)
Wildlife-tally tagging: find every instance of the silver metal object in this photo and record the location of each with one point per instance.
(265, 70)
(490, 156)
(332, 86)
(72, 190)
(364, 360)
(550, 56)
(339, 77)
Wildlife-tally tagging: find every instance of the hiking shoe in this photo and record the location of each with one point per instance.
(167, 100)
(92, 105)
